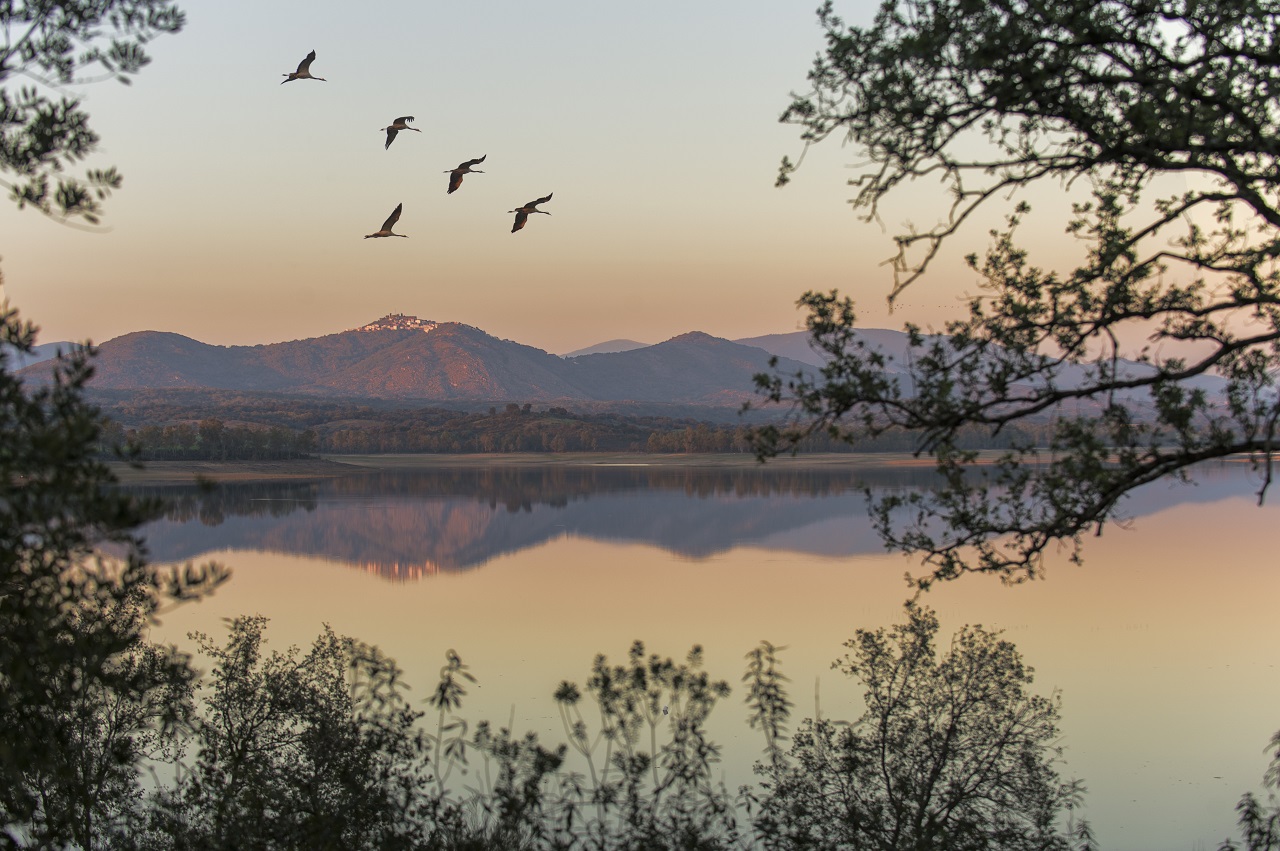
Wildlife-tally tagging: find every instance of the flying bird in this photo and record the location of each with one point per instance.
(304, 70)
(455, 174)
(522, 212)
(396, 126)
(389, 224)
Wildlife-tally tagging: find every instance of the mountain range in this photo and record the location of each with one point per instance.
(407, 359)
(404, 358)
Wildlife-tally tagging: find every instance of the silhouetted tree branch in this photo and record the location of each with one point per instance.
(80, 690)
(43, 130)
(951, 753)
(992, 98)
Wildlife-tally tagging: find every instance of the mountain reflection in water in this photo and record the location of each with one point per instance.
(406, 524)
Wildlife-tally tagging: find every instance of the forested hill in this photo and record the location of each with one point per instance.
(439, 362)
(190, 425)
(402, 358)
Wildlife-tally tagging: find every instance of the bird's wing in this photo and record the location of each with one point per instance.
(521, 218)
(404, 119)
(393, 218)
(455, 180)
(304, 66)
(474, 162)
(540, 201)
(391, 135)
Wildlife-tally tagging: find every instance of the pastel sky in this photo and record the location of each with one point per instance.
(654, 124)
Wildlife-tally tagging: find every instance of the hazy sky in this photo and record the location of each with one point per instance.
(654, 124)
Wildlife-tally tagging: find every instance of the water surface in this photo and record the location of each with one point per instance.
(1164, 645)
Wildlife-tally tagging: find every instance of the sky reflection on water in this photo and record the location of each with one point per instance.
(1164, 645)
(413, 523)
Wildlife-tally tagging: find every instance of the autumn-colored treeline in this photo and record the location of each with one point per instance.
(212, 440)
(297, 429)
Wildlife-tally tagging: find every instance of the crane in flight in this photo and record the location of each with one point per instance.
(522, 212)
(455, 174)
(304, 71)
(389, 224)
(401, 123)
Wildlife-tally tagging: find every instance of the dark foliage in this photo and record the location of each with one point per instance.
(212, 440)
(219, 427)
(306, 753)
(1260, 820)
(71, 621)
(951, 753)
(53, 45)
(992, 97)
(322, 750)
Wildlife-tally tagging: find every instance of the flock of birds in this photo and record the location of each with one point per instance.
(455, 174)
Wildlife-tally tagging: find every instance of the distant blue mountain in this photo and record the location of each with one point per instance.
(44, 352)
(796, 346)
(608, 347)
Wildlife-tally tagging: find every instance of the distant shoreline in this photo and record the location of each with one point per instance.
(329, 466)
(188, 472)
(735, 460)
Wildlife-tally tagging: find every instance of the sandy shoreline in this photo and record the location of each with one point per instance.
(187, 472)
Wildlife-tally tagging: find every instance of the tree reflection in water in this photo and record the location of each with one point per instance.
(410, 523)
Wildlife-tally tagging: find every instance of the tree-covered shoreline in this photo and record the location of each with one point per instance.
(435, 431)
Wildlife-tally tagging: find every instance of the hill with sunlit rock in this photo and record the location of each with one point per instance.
(405, 358)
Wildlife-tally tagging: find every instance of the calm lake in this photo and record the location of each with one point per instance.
(1165, 644)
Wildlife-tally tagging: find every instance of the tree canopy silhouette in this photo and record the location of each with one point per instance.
(43, 130)
(73, 623)
(84, 698)
(994, 97)
(951, 753)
